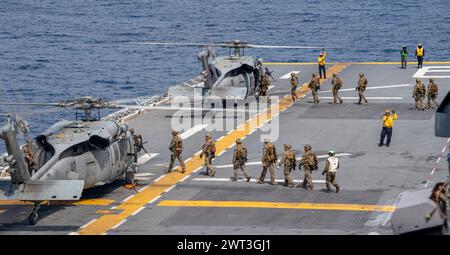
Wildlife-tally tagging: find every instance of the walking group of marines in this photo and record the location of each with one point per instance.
(336, 83)
(308, 162)
(420, 91)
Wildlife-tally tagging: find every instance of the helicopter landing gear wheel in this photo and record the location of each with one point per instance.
(33, 218)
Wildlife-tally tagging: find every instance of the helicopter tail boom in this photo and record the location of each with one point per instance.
(42, 190)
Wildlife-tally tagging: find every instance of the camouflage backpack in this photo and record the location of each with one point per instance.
(338, 83)
(311, 161)
(241, 152)
(212, 149)
(433, 89)
(290, 158)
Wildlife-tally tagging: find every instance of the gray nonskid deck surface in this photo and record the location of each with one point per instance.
(370, 175)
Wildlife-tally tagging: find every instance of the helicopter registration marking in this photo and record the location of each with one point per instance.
(108, 222)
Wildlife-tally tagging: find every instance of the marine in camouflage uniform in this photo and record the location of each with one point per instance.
(239, 160)
(314, 85)
(419, 94)
(337, 83)
(28, 155)
(209, 151)
(362, 85)
(176, 149)
(289, 162)
(309, 163)
(331, 167)
(432, 93)
(138, 143)
(264, 85)
(294, 83)
(269, 159)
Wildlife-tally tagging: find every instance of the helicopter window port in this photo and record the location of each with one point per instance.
(76, 150)
(98, 142)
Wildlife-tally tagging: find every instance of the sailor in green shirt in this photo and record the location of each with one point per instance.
(404, 56)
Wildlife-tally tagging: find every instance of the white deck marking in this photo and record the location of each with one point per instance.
(146, 157)
(73, 233)
(120, 223)
(388, 218)
(288, 75)
(443, 149)
(192, 131)
(89, 223)
(421, 73)
(222, 152)
(432, 171)
(128, 198)
(146, 186)
(369, 88)
(255, 163)
(185, 178)
(212, 179)
(159, 178)
(270, 87)
(143, 174)
(439, 159)
(170, 188)
(154, 199)
(448, 140)
(138, 211)
(372, 98)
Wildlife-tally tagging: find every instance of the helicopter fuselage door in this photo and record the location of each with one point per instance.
(112, 159)
(117, 159)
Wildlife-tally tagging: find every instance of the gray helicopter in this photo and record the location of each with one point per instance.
(68, 157)
(234, 76)
(71, 156)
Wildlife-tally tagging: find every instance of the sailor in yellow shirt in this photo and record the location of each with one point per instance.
(321, 62)
(388, 124)
(420, 54)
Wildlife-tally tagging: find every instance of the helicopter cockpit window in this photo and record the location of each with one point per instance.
(45, 150)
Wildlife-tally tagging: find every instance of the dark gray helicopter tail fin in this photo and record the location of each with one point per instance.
(42, 190)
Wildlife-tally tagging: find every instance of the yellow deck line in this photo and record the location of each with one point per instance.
(278, 205)
(107, 222)
(79, 202)
(359, 63)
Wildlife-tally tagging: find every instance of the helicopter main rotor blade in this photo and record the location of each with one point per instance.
(171, 108)
(181, 44)
(35, 104)
(281, 46)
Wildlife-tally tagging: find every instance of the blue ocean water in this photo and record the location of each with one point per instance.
(58, 50)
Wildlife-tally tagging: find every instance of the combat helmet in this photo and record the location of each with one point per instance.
(238, 141)
(361, 74)
(307, 147)
(331, 152)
